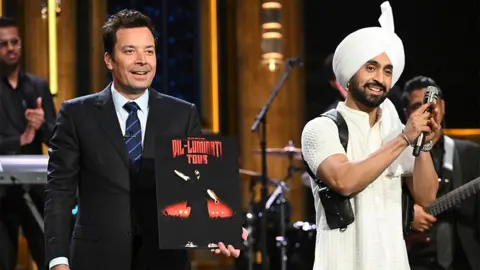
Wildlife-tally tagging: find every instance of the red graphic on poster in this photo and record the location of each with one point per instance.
(201, 198)
(215, 210)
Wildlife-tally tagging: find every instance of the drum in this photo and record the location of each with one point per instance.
(301, 245)
(300, 248)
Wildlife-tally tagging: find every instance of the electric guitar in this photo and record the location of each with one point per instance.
(441, 205)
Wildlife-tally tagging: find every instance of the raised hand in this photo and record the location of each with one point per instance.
(27, 136)
(36, 117)
(424, 119)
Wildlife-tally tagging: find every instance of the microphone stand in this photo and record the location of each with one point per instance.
(250, 242)
(261, 118)
(282, 241)
(279, 197)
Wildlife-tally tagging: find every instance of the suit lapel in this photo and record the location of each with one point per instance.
(107, 119)
(156, 121)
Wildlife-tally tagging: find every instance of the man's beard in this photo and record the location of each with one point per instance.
(7, 68)
(360, 94)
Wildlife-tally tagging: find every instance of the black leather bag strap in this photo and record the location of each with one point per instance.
(341, 124)
(338, 119)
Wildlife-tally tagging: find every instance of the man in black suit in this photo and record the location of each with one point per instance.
(451, 240)
(104, 145)
(27, 117)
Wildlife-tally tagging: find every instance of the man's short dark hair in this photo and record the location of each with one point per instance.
(7, 22)
(416, 83)
(126, 18)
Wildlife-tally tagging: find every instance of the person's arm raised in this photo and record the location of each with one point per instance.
(325, 156)
(349, 177)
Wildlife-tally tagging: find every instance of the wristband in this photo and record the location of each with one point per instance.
(406, 139)
(427, 147)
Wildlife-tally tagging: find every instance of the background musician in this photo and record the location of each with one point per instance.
(453, 241)
(27, 117)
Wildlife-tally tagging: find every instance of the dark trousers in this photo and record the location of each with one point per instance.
(139, 262)
(433, 267)
(6, 249)
(144, 259)
(460, 262)
(15, 213)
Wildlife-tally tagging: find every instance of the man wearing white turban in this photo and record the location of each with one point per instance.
(368, 62)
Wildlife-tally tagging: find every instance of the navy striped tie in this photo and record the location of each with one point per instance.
(133, 136)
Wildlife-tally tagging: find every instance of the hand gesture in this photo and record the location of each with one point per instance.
(27, 136)
(422, 221)
(424, 119)
(230, 251)
(36, 116)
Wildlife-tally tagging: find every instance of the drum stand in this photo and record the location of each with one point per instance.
(278, 196)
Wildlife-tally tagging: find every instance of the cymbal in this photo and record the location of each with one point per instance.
(285, 151)
(256, 176)
(249, 173)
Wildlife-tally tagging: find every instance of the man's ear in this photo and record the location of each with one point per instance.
(442, 104)
(108, 60)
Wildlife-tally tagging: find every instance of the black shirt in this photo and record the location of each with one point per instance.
(425, 254)
(13, 104)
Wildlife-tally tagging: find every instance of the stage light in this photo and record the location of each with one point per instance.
(50, 10)
(214, 66)
(45, 5)
(272, 38)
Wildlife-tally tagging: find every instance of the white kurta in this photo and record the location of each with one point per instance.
(374, 241)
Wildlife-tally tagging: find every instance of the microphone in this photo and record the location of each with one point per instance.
(293, 62)
(431, 94)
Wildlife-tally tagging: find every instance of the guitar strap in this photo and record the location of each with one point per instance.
(444, 229)
(465, 233)
(449, 147)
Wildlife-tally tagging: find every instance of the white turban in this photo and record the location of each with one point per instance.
(364, 44)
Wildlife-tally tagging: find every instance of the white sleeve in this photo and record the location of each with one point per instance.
(319, 141)
(407, 161)
(58, 261)
(404, 163)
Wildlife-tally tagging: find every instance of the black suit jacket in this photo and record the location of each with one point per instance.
(467, 214)
(13, 124)
(88, 151)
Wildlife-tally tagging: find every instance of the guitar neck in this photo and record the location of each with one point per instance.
(454, 197)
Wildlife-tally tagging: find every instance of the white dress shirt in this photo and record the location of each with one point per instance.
(119, 101)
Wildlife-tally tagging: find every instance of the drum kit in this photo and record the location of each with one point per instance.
(289, 245)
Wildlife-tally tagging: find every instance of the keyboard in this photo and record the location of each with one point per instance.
(23, 169)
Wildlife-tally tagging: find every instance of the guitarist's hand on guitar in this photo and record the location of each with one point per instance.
(422, 221)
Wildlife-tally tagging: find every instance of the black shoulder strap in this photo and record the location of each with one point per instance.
(338, 119)
(341, 124)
